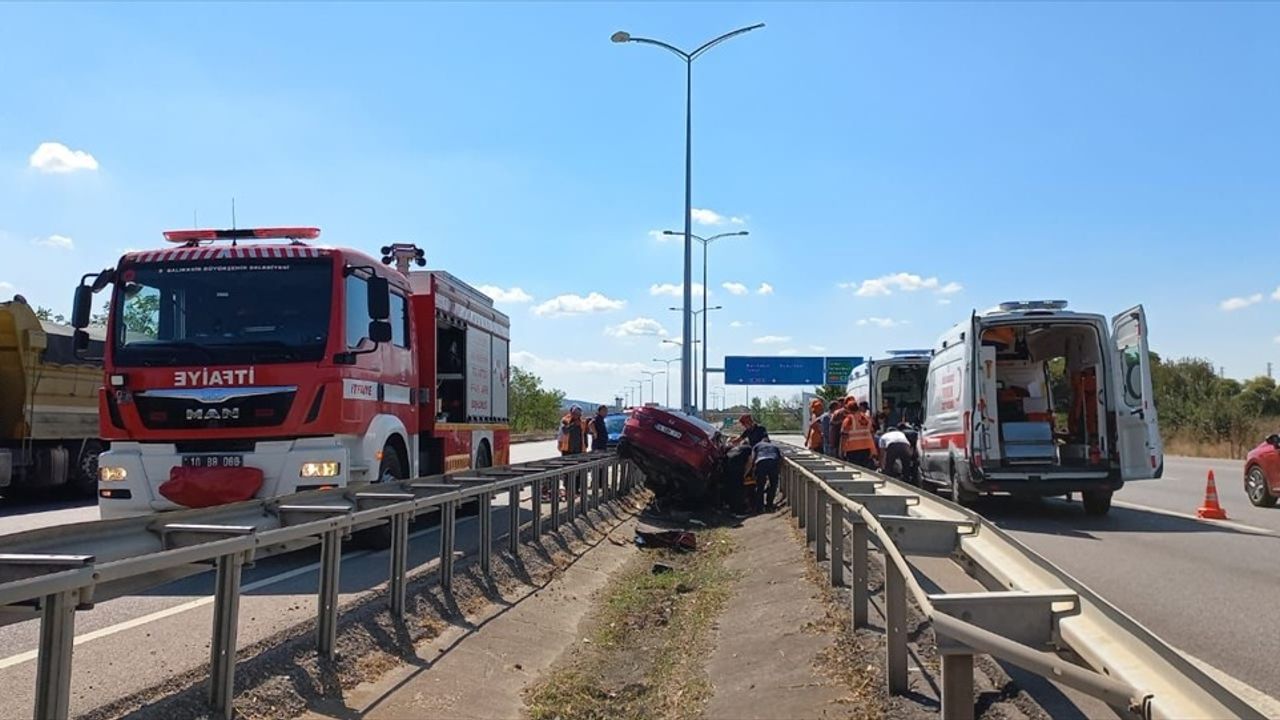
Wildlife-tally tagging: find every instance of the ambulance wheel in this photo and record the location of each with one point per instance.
(1096, 502)
(389, 471)
(959, 495)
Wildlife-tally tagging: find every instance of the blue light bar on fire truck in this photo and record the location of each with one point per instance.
(193, 237)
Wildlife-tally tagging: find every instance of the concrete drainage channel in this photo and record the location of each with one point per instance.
(54, 573)
(1019, 609)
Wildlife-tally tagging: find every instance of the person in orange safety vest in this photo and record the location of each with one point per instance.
(573, 432)
(857, 441)
(814, 440)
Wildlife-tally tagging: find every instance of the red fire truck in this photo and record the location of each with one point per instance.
(250, 363)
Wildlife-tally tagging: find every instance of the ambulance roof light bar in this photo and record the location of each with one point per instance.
(191, 238)
(1018, 305)
(910, 353)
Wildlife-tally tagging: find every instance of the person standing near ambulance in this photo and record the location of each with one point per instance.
(835, 432)
(857, 441)
(815, 439)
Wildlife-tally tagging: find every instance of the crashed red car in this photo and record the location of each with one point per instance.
(678, 453)
(1262, 472)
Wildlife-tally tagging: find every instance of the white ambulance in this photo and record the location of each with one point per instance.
(1032, 399)
(894, 384)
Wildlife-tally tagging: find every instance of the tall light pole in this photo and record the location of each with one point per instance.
(695, 314)
(705, 242)
(667, 362)
(639, 386)
(653, 393)
(686, 350)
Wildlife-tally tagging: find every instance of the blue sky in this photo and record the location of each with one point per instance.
(954, 155)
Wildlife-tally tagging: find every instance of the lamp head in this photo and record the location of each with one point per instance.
(621, 36)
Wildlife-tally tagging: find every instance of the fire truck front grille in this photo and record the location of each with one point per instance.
(244, 408)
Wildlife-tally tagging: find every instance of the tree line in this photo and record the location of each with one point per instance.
(533, 407)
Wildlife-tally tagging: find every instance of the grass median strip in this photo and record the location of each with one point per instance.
(645, 652)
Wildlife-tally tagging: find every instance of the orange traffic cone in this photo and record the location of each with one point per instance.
(1211, 509)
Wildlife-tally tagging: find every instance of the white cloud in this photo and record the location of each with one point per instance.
(740, 324)
(662, 237)
(1276, 295)
(533, 363)
(61, 242)
(737, 220)
(6, 286)
(772, 340)
(702, 216)
(764, 289)
(571, 304)
(944, 301)
(1237, 303)
(818, 348)
(54, 157)
(637, 327)
(735, 288)
(881, 322)
(514, 295)
(674, 289)
(788, 351)
(904, 282)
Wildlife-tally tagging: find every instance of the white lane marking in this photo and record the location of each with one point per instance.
(1192, 516)
(197, 603)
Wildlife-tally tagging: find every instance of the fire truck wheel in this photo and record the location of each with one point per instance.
(389, 470)
(484, 458)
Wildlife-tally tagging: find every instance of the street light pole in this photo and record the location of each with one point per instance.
(705, 242)
(667, 362)
(703, 313)
(686, 350)
(653, 393)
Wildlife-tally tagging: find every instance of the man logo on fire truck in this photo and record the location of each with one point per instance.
(247, 363)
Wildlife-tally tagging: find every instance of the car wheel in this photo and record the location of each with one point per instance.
(1096, 502)
(959, 495)
(1255, 486)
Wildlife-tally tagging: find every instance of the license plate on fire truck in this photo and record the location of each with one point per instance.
(213, 461)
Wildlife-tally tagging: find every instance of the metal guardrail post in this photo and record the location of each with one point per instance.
(537, 509)
(513, 521)
(486, 532)
(895, 626)
(957, 687)
(556, 484)
(820, 525)
(327, 605)
(811, 528)
(837, 544)
(53, 661)
(858, 563)
(448, 525)
(222, 648)
(802, 497)
(399, 562)
(797, 500)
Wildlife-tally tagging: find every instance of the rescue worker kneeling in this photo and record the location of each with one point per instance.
(857, 442)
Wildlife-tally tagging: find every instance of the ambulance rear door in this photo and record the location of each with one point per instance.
(1137, 428)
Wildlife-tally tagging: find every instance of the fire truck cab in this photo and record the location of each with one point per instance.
(248, 363)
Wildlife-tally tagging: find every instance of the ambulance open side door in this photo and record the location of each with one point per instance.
(1137, 428)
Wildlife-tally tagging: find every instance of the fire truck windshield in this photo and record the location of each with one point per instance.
(214, 312)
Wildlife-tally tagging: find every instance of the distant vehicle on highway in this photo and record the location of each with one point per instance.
(614, 423)
(990, 424)
(1262, 472)
(251, 363)
(678, 453)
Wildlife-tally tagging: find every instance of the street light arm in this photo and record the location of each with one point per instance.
(687, 57)
(680, 234)
(712, 43)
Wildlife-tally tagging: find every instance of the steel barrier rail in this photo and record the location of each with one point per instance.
(1031, 611)
(51, 573)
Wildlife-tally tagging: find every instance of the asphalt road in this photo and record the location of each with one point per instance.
(167, 628)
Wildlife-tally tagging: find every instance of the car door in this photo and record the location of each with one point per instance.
(1137, 427)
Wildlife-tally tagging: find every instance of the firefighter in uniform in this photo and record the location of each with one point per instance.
(857, 442)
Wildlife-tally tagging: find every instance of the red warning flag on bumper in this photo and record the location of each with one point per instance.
(206, 487)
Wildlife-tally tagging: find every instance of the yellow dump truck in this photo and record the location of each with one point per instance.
(48, 404)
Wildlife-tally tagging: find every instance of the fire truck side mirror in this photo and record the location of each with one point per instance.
(379, 301)
(80, 343)
(380, 331)
(81, 308)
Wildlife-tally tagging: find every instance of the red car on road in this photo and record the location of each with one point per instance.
(1262, 472)
(677, 452)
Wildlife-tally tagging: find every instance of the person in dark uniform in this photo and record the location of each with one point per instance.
(599, 430)
(752, 432)
(765, 459)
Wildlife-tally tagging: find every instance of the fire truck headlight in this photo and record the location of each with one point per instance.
(322, 469)
(111, 473)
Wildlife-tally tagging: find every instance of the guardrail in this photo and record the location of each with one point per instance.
(54, 572)
(1031, 611)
